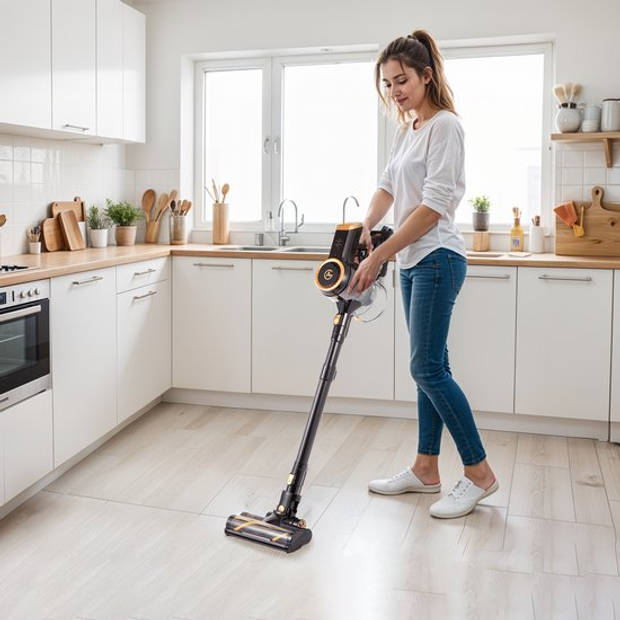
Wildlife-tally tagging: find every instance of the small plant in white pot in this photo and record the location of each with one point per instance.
(481, 205)
(98, 226)
(124, 215)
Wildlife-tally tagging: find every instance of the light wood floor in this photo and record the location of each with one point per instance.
(136, 529)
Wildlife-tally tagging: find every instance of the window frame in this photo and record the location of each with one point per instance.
(273, 65)
(272, 62)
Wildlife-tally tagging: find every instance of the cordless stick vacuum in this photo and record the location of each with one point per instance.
(281, 528)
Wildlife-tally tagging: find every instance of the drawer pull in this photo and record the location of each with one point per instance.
(149, 294)
(571, 278)
(505, 276)
(227, 265)
(293, 268)
(18, 314)
(144, 273)
(78, 127)
(89, 281)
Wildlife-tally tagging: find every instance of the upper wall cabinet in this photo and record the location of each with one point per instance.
(73, 66)
(134, 58)
(25, 58)
(110, 69)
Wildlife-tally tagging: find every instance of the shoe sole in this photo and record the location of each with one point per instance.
(488, 492)
(429, 489)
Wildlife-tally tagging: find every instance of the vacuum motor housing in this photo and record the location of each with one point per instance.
(334, 274)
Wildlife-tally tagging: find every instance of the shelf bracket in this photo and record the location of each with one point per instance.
(607, 146)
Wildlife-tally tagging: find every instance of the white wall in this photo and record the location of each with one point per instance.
(35, 172)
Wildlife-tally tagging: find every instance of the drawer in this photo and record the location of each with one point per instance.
(133, 275)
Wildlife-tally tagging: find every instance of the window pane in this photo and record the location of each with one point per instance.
(329, 138)
(233, 139)
(500, 101)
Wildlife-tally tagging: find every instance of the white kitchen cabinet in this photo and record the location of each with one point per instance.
(83, 348)
(27, 437)
(211, 323)
(481, 341)
(135, 275)
(144, 346)
(109, 73)
(73, 66)
(563, 342)
(292, 324)
(134, 59)
(25, 58)
(615, 363)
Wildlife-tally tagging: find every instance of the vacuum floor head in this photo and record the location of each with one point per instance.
(279, 535)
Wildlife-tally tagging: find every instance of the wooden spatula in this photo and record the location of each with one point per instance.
(578, 228)
(162, 203)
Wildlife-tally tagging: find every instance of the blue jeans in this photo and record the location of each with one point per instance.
(429, 291)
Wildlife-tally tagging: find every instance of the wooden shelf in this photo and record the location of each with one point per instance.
(606, 137)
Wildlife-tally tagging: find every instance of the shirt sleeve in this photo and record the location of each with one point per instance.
(385, 181)
(445, 161)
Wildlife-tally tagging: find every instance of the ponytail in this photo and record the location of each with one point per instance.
(418, 51)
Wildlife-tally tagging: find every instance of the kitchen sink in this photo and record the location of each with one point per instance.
(307, 249)
(249, 248)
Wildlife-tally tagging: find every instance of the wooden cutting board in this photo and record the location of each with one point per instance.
(71, 231)
(76, 205)
(52, 235)
(602, 229)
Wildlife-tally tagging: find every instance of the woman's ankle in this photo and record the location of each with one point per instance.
(428, 475)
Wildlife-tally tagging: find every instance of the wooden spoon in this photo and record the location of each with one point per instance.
(148, 200)
(225, 190)
(162, 203)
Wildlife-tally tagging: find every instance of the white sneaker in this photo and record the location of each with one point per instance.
(403, 482)
(461, 500)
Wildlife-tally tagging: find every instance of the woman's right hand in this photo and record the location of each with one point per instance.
(365, 238)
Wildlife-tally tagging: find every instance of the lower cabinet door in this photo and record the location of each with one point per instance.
(27, 438)
(143, 345)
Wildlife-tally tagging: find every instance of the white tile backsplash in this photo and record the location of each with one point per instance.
(35, 172)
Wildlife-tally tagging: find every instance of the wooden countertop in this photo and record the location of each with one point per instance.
(51, 264)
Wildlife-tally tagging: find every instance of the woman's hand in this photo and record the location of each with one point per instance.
(365, 274)
(365, 239)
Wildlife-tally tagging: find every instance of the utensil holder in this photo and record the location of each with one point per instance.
(179, 229)
(152, 232)
(34, 247)
(537, 239)
(220, 222)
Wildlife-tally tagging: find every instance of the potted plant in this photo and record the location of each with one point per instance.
(98, 225)
(125, 216)
(481, 205)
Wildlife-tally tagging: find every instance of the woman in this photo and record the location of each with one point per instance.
(425, 181)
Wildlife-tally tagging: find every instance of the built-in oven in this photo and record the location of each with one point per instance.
(24, 341)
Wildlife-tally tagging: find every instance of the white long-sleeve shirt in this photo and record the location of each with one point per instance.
(427, 167)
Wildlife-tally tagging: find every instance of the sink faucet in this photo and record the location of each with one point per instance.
(282, 233)
(344, 206)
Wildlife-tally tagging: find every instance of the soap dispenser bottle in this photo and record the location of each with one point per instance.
(516, 232)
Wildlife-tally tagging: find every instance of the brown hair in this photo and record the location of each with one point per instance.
(418, 51)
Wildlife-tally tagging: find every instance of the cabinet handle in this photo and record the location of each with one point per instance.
(78, 127)
(144, 273)
(89, 281)
(228, 265)
(544, 276)
(293, 268)
(505, 276)
(149, 294)
(17, 314)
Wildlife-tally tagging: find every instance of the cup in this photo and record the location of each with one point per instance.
(592, 112)
(610, 116)
(34, 247)
(590, 126)
(537, 239)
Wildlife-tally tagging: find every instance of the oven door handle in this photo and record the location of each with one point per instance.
(17, 314)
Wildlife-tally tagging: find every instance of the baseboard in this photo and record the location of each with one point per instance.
(26, 494)
(521, 423)
(614, 432)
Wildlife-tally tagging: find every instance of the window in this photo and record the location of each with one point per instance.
(308, 127)
(303, 127)
(499, 95)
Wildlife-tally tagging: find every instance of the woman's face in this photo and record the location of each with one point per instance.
(403, 85)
